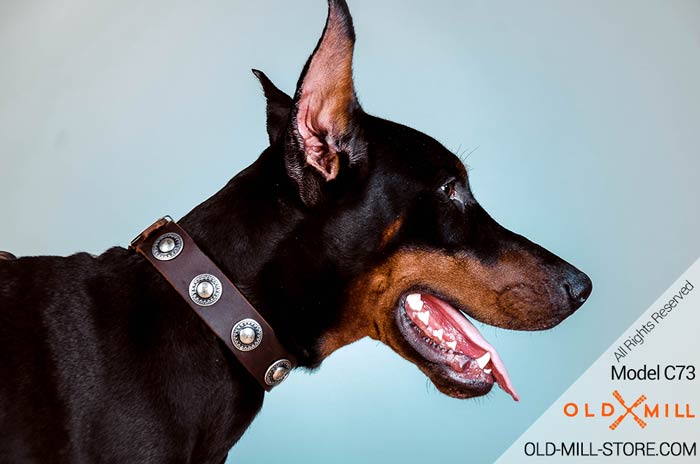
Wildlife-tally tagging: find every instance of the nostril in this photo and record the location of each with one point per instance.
(578, 288)
(568, 290)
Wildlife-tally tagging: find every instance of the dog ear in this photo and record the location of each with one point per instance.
(279, 105)
(324, 136)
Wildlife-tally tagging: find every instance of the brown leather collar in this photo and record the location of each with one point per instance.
(7, 256)
(216, 300)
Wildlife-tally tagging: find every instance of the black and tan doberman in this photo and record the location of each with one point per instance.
(347, 226)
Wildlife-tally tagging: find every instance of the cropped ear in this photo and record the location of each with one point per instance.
(279, 105)
(324, 136)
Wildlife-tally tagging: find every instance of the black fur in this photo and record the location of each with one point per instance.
(279, 104)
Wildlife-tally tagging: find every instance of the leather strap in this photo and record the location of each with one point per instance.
(170, 249)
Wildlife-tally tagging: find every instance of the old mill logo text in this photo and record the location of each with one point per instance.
(640, 410)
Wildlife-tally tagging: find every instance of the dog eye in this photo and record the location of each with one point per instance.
(449, 189)
(454, 193)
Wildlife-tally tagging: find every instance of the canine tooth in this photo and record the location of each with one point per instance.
(414, 301)
(452, 345)
(484, 360)
(487, 371)
(424, 316)
(438, 333)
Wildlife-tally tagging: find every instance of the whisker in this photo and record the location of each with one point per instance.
(470, 153)
(463, 155)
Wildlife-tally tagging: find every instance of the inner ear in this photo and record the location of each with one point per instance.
(323, 124)
(326, 97)
(279, 105)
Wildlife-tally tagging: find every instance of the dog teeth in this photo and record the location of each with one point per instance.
(415, 302)
(424, 316)
(452, 345)
(438, 333)
(484, 360)
(487, 371)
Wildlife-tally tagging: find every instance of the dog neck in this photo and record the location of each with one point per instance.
(250, 229)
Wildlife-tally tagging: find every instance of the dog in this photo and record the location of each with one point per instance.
(346, 226)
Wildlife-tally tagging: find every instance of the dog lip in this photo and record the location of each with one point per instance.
(436, 360)
(473, 345)
(468, 329)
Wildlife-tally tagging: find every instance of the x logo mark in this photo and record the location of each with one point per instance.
(628, 410)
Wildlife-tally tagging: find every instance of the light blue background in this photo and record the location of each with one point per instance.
(586, 116)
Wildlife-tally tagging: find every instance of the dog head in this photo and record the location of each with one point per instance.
(392, 243)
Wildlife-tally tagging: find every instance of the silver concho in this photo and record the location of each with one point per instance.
(167, 246)
(246, 335)
(205, 289)
(278, 372)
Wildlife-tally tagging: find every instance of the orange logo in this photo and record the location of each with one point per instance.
(639, 415)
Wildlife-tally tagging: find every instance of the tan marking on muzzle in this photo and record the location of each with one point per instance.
(511, 292)
(391, 231)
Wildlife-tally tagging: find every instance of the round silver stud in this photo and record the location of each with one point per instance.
(246, 335)
(167, 246)
(205, 289)
(278, 372)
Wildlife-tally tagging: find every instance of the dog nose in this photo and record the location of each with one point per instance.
(578, 287)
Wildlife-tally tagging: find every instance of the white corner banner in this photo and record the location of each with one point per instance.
(639, 402)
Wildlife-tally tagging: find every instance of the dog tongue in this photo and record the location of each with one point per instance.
(473, 335)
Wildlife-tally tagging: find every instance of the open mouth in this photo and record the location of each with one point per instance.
(444, 336)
